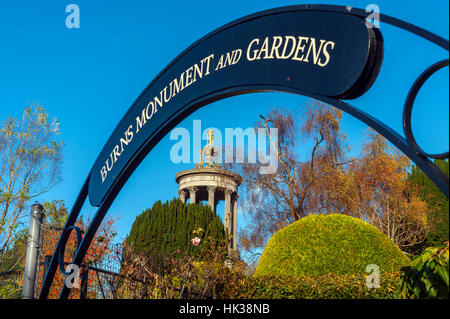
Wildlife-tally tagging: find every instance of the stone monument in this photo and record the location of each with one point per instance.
(209, 182)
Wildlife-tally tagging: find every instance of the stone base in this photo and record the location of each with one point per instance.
(234, 254)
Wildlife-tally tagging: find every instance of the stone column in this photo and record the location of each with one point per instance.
(193, 194)
(182, 195)
(234, 242)
(227, 214)
(211, 199)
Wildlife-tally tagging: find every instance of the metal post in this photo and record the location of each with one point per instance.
(34, 242)
(47, 260)
(84, 281)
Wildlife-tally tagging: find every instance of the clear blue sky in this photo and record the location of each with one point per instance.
(89, 77)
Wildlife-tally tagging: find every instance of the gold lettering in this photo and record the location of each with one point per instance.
(254, 51)
(277, 41)
(300, 48)
(327, 55)
(158, 101)
(294, 41)
(220, 63)
(140, 121)
(104, 173)
(228, 59)
(316, 53)
(265, 48)
(116, 153)
(207, 63)
(198, 71)
(189, 76)
(236, 57)
(178, 86)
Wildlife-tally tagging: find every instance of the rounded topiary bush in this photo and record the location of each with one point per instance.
(320, 244)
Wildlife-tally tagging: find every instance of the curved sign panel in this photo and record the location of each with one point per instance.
(322, 53)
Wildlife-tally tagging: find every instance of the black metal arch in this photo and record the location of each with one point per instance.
(62, 248)
(407, 109)
(406, 145)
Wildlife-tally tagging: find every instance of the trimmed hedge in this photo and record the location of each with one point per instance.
(321, 244)
(304, 287)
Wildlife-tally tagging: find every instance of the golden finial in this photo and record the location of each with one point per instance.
(210, 138)
(208, 154)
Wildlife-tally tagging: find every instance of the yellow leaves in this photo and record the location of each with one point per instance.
(390, 288)
(444, 252)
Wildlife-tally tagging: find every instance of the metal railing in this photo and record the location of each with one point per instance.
(98, 280)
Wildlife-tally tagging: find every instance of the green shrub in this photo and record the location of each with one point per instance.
(328, 286)
(320, 244)
(437, 203)
(165, 231)
(427, 276)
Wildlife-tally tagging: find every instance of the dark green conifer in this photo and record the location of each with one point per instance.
(437, 202)
(168, 228)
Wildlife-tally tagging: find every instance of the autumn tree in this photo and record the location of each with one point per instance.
(30, 158)
(317, 175)
(273, 201)
(56, 214)
(380, 193)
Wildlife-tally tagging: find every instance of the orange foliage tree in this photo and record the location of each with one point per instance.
(374, 187)
(327, 178)
(102, 244)
(378, 191)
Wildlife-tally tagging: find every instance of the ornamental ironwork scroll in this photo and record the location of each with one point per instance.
(329, 53)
